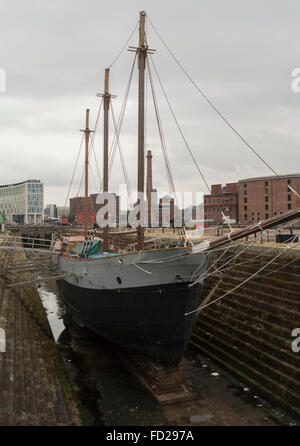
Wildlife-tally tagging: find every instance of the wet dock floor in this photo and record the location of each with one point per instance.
(111, 396)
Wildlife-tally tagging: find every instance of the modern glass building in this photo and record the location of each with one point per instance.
(22, 202)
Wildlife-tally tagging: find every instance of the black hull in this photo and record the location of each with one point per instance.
(150, 320)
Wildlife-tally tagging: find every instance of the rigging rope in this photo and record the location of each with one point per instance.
(121, 154)
(242, 283)
(80, 188)
(185, 141)
(161, 133)
(120, 120)
(93, 138)
(221, 269)
(178, 126)
(208, 100)
(74, 170)
(75, 167)
(204, 275)
(124, 47)
(238, 134)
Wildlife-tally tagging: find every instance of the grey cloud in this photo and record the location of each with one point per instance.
(241, 54)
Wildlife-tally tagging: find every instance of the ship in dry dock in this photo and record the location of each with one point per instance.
(143, 299)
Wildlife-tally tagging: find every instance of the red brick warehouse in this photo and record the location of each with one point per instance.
(252, 199)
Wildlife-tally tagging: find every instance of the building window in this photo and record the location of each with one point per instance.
(289, 197)
(245, 216)
(289, 206)
(266, 199)
(289, 181)
(245, 191)
(266, 207)
(267, 215)
(245, 200)
(266, 191)
(266, 183)
(245, 184)
(245, 208)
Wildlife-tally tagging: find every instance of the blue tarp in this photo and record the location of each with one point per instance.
(94, 249)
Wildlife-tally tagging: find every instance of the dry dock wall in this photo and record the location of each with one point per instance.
(249, 331)
(34, 388)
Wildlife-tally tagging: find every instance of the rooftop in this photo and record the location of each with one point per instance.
(20, 184)
(271, 177)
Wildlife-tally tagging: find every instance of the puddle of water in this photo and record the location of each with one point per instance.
(2, 341)
(54, 311)
(200, 418)
(106, 391)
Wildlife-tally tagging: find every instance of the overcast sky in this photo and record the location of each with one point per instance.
(241, 53)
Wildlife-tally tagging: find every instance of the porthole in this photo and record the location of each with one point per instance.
(179, 278)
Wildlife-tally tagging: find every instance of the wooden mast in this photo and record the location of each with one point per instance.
(106, 102)
(87, 132)
(142, 54)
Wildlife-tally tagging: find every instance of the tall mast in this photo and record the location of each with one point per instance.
(149, 185)
(142, 54)
(106, 102)
(87, 132)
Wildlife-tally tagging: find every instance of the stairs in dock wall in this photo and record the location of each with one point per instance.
(249, 331)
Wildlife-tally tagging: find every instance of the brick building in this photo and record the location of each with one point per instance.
(222, 199)
(77, 206)
(264, 197)
(252, 199)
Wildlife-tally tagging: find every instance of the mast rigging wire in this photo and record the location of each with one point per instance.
(75, 167)
(123, 47)
(178, 126)
(126, 177)
(93, 138)
(185, 141)
(120, 120)
(238, 134)
(74, 170)
(161, 133)
(208, 100)
(242, 283)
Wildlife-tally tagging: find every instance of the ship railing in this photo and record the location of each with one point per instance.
(26, 243)
(157, 241)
